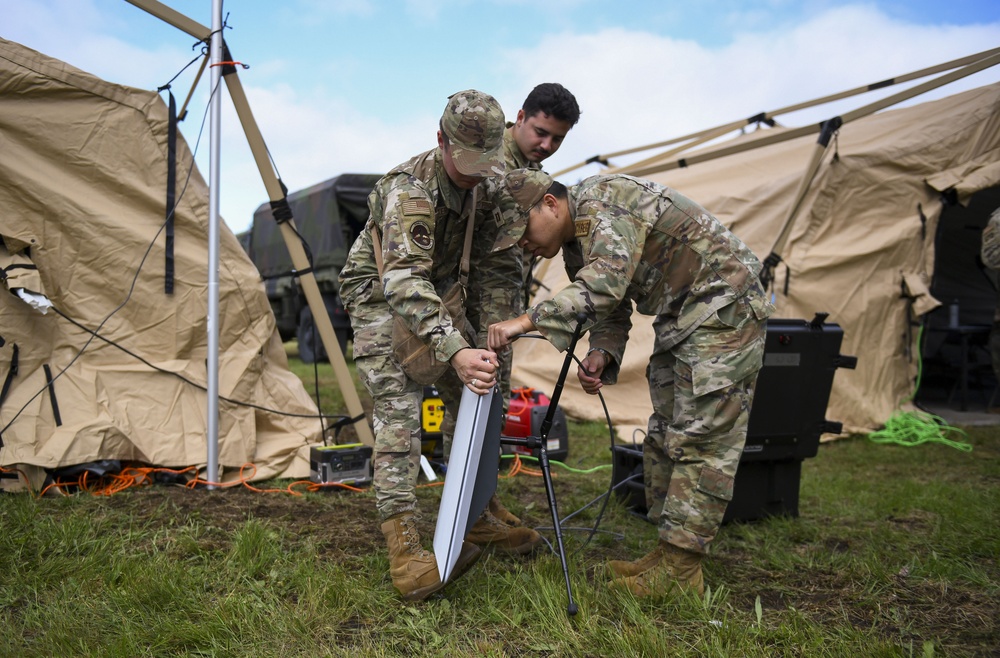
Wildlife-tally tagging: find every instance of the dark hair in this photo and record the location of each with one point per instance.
(552, 99)
(444, 136)
(557, 189)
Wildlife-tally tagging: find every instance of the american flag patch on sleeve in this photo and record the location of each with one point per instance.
(416, 207)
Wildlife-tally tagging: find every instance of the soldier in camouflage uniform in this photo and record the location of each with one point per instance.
(419, 213)
(990, 253)
(629, 241)
(546, 116)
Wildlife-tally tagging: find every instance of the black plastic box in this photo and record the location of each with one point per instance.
(786, 421)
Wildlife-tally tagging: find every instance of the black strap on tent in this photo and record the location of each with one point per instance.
(52, 395)
(923, 222)
(16, 266)
(281, 211)
(11, 374)
(828, 129)
(767, 271)
(168, 274)
(761, 118)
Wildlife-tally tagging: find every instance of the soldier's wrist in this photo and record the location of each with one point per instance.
(607, 355)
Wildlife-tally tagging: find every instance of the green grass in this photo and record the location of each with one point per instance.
(895, 553)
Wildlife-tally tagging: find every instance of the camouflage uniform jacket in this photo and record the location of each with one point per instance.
(418, 214)
(638, 241)
(514, 159)
(512, 155)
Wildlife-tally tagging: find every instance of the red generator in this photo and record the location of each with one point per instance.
(527, 410)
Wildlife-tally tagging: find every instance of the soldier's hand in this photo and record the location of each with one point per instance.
(589, 372)
(476, 368)
(502, 334)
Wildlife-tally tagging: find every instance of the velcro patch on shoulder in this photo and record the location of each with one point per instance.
(421, 235)
(416, 207)
(582, 228)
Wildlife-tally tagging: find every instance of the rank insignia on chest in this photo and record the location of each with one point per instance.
(582, 228)
(420, 233)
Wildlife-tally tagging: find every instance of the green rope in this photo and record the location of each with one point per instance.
(912, 428)
(558, 463)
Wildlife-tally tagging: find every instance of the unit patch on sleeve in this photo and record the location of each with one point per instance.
(582, 228)
(421, 235)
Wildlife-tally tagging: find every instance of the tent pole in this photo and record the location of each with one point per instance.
(768, 116)
(277, 196)
(831, 126)
(795, 133)
(197, 78)
(215, 124)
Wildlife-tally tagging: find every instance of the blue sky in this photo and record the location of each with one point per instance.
(358, 85)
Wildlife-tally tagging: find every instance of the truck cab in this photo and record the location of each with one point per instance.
(328, 216)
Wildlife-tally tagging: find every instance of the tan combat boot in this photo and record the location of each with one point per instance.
(498, 510)
(636, 567)
(491, 532)
(676, 569)
(414, 570)
(469, 555)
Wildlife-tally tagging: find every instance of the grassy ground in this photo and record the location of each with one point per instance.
(894, 553)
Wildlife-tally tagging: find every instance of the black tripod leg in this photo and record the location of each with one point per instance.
(543, 456)
(543, 460)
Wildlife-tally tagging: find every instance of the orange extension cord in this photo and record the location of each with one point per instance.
(136, 476)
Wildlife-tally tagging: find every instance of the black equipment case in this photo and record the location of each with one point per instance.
(786, 421)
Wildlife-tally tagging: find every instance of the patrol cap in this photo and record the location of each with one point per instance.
(527, 187)
(474, 124)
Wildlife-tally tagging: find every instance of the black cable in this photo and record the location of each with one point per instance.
(184, 379)
(135, 278)
(95, 333)
(611, 486)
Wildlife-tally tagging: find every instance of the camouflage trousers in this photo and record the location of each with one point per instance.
(701, 389)
(396, 416)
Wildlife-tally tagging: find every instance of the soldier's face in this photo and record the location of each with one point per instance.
(549, 226)
(539, 136)
(461, 181)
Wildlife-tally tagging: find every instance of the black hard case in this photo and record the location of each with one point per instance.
(787, 418)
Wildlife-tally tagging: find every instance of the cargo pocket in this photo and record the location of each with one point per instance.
(712, 496)
(645, 280)
(725, 368)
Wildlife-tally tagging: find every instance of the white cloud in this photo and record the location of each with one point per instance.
(637, 88)
(634, 87)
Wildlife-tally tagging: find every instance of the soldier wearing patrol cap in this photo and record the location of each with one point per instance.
(630, 241)
(547, 114)
(418, 217)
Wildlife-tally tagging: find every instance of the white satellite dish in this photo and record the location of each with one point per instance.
(472, 474)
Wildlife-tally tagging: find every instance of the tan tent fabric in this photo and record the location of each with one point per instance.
(858, 236)
(82, 197)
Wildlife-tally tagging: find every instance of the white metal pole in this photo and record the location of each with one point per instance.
(215, 123)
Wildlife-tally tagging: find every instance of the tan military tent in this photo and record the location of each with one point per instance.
(862, 247)
(83, 180)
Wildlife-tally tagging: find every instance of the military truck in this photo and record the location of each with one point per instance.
(328, 216)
